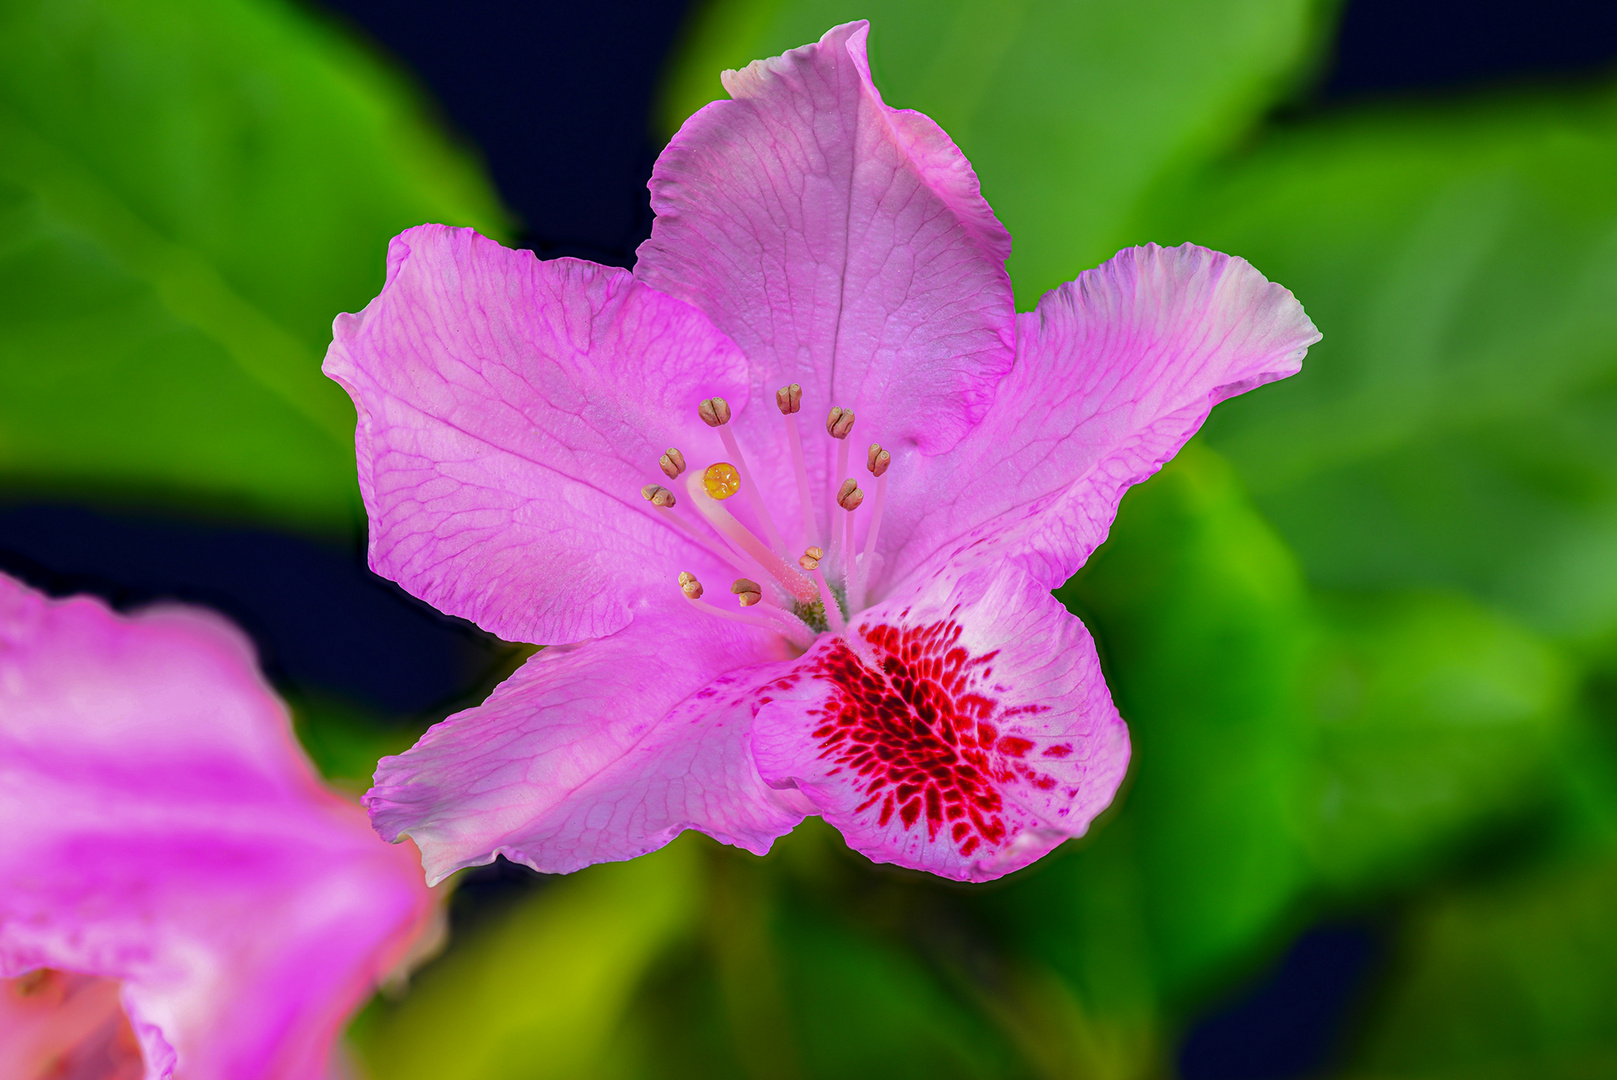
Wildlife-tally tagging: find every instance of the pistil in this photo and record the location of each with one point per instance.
(715, 413)
(663, 500)
(727, 525)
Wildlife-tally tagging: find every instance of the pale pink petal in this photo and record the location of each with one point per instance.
(843, 244)
(963, 730)
(594, 752)
(510, 410)
(1114, 372)
(160, 827)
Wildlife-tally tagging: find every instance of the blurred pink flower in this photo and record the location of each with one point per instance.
(175, 883)
(919, 688)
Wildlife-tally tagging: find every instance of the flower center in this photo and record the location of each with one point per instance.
(784, 589)
(61, 1026)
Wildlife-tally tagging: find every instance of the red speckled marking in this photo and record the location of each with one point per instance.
(922, 731)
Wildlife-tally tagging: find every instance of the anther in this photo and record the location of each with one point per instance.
(721, 480)
(810, 559)
(839, 422)
(877, 460)
(789, 399)
(672, 462)
(849, 496)
(657, 495)
(715, 412)
(748, 591)
(689, 585)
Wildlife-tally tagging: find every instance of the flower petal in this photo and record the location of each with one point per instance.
(510, 410)
(160, 827)
(1114, 372)
(599, 751)
(965, 730)
(843, 244)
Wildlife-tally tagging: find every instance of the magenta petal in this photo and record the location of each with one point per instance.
(594, 752)
(841, 243)
(965, 730)
(510, 410)
(160, 827)
(1114, 372)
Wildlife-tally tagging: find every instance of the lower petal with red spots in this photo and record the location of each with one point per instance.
(954, 737)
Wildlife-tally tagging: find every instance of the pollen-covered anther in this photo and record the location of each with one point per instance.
(849, 496)
(810, 559)
(877, 460)
(749, 592)
(789, 399)
(721, 480)
(839, 422)
(689, 585)
(715, 412)
(657, 495)
(672, 462)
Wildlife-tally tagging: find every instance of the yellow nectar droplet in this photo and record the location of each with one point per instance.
(721, 480)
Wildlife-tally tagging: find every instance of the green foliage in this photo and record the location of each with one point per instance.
(189, 192)
(1458, 425)
(1071, 110)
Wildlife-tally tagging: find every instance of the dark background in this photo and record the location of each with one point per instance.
(557, 97)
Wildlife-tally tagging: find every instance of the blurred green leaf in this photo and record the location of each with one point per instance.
(539, 992)
(1069, 109)
(1457, 426)
(1430, 716)
(189, 192)
(1505, 979)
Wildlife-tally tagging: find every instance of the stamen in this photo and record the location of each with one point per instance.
(749, 592)
(877, 461)
(715, 413)
(789, 627)
(726, 524)
(849, 497)
(672, 462)
(837, 425)
(839, 422)
(789, 399)
(810, 561)
(657, 495)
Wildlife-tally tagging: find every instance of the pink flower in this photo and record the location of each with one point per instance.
(549, 449)
(175, 883)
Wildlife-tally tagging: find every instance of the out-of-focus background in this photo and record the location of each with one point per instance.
(1364, 629)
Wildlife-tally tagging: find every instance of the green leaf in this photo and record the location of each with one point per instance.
(1432, 719)
(539, 992)
(1457, 426)
(1069, 109)
(189, 193)
(1504, 979)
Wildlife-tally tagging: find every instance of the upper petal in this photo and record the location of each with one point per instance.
(510, 410)
(595, 752)
(843, 244)
(963, 730)
(159, 826)
(1114, 372)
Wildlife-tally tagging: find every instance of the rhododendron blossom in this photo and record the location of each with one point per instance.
(179, 895)
(787, 501)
